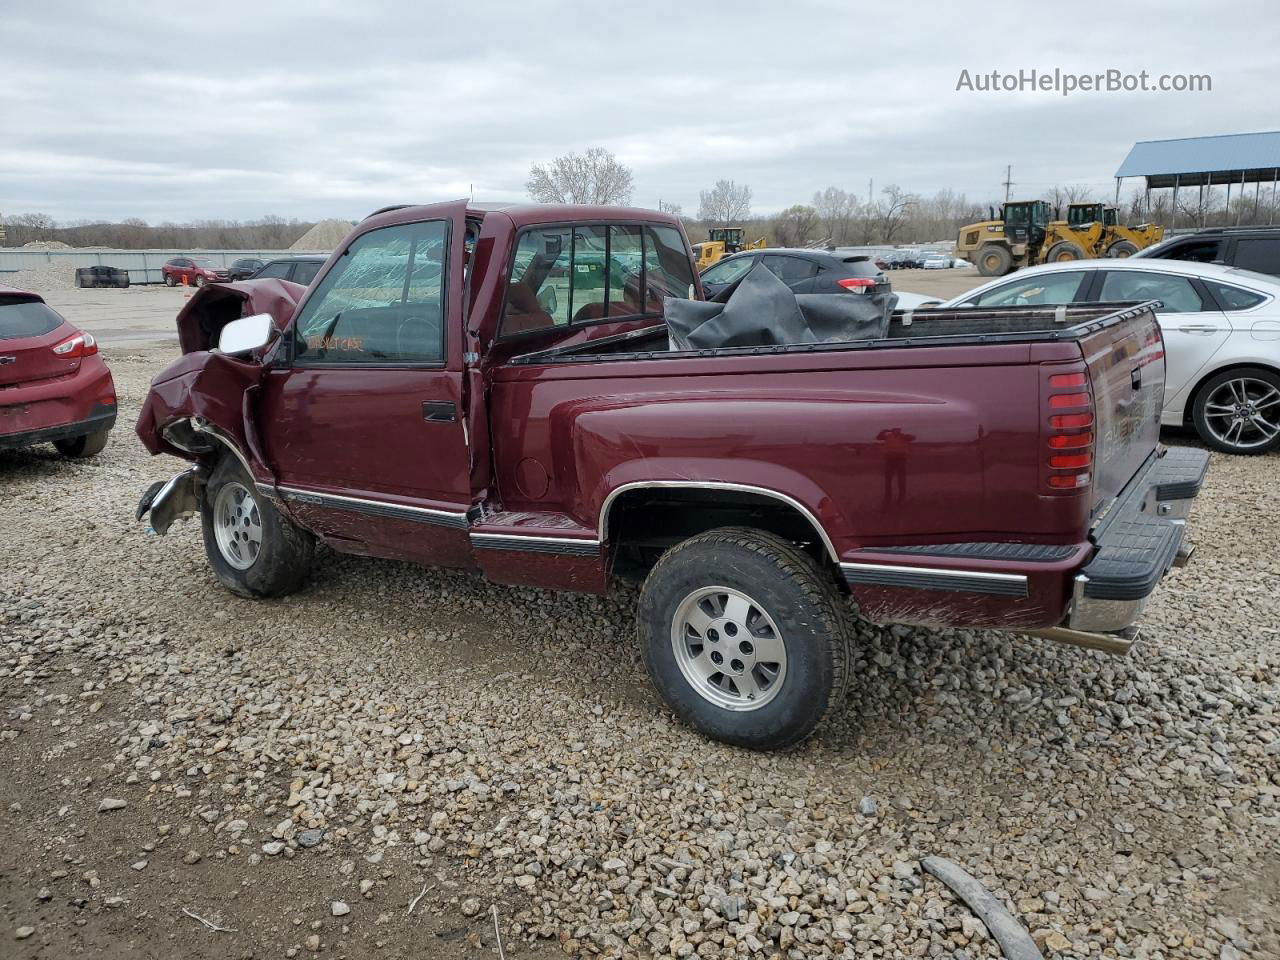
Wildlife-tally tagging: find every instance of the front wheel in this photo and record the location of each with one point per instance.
(254, 549)
(169, 281)
(745, 637)
(1064, 251)
(1122, 249)
(1238, 411)
(994, 260)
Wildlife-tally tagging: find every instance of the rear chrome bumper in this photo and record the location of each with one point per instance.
(1140, 539)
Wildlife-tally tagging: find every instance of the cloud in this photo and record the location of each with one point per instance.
(318, 109)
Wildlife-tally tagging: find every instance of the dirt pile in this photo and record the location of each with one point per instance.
(324, 236)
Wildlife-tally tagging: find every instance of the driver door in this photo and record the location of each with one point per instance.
(363, 418)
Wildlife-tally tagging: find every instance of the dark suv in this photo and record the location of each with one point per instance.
(245, 268)
(298, 269)
(804, 271)
(1248, 248)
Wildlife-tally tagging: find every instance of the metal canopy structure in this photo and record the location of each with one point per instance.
(1229, 160)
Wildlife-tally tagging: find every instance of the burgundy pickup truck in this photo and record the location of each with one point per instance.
(495, 388)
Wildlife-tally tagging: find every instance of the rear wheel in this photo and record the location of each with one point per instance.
(169, 280)
(87, 445)
(1238, 411)
(994, 260)
(1122, 249)
(745, 637)
(254, 549)
(1064, 251)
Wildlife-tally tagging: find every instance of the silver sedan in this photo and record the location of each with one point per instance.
(1221, 331)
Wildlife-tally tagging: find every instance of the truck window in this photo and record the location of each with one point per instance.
(668, 272)
(278, 269)
(383, 301)
(561, 275)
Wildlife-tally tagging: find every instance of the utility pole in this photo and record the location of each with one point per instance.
(871, 184)
(1008, 181)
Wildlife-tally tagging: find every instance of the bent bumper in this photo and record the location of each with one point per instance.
(172, 499)
(1139, 540)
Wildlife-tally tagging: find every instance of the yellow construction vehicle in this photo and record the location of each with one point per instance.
(1119, 240)
(720, 242)
(1024, 235)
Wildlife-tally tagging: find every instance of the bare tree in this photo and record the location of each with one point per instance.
(892, 209)
(796, 226)
(836, 209)
(725, 203)
(672, 208)
(592, 177)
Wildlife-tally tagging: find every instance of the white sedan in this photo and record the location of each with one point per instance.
(1221, 331)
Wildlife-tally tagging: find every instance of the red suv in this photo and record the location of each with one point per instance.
(195, 271)
(54, 386)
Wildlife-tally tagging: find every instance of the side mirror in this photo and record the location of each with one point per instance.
(547, 299)
(246, 334)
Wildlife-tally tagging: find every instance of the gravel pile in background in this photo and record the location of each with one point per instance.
(325, 235)
(397, 716)
(47, 276)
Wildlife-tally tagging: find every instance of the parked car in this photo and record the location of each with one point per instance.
(804, 271)
(245, 267)
(101, 277)
(1002, 471)
(936, 261)
(1221, 330)
(54, 385)
(193, 271)
(294, 269)
(1249, 248)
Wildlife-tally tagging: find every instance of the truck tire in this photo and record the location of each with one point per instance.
(1122, 249)
(254, 550)
(88, 445)
(745, 637)
(994, 260)
(1238, 411)
(1064, 251)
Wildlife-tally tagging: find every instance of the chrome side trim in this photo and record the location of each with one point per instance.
(603, 529)
(535, 543)
(935, 578)
(201, 425)
(377, 508)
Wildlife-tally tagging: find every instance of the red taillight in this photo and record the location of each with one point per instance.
(857, 284)
(1070, 441)
(1068, 466)
(72, 348)
(1060, 400)
(1068, 380)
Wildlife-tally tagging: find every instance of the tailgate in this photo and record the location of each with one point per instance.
(1126, 372)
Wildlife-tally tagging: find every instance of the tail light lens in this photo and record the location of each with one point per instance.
(80, 345)
(857, 284)
(1067, 401)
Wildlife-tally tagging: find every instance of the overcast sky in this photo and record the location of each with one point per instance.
(187, 110)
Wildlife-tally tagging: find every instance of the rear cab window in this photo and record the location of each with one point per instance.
(26, 318)
(576, 274)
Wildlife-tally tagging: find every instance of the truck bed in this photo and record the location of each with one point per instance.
(952, 327)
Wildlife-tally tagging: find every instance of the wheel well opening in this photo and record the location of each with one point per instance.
(644, 523)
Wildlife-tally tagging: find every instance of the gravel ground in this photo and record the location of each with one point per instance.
(298, 771)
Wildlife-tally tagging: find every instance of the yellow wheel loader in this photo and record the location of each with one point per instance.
(1027, 234)
(722, 241)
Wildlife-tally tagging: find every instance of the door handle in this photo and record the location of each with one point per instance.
(1198, 328)
(439, 411)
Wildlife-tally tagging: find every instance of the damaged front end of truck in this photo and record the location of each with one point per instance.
(201, 407)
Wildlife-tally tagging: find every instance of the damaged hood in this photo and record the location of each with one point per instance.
(215, 305)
